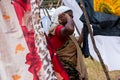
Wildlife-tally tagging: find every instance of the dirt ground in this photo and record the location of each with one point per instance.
(95, 71)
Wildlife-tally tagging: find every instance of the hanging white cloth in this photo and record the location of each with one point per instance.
(108, 47)
(13, 47)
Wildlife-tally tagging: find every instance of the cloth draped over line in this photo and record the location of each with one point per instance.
(19, 57)
(13, 47)
(21, 8)
(106, 31)
(38, 58)
(102, 24)
(18, 53)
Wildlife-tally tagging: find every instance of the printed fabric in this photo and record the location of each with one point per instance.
(13, 47)
(107, 6)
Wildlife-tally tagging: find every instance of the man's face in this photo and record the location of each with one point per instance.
(62, 18)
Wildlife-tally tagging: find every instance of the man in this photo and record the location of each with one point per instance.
(65, 45)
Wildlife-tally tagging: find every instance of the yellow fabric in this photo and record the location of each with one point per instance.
(107, 6)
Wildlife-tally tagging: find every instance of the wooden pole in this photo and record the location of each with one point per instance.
(77, 29)
(93, 41)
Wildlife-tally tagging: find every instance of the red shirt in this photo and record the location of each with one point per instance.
(57, 40)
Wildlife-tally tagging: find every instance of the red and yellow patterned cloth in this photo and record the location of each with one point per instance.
(107, 6)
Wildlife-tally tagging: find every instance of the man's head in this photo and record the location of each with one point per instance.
(54, 18)
(60, 10)
(63, 17)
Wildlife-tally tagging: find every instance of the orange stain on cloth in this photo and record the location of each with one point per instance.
(16, 77)
(19, 47)
(6, 17)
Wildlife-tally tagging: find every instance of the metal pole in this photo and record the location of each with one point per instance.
(93, 41)
(48, 13)
(77, 29)
(43, 11)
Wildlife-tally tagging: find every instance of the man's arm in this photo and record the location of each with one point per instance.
(68, 27)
